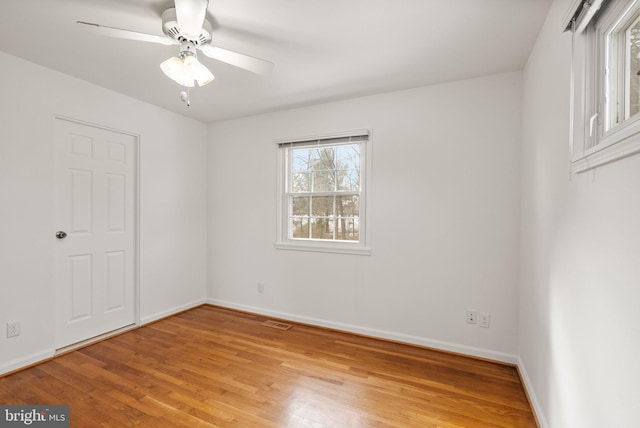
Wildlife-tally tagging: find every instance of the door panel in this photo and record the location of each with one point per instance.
(81, 196)
(81, 284)
(95, 204)
(116, 279)
(116, 202)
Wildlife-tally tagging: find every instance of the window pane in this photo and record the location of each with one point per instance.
(322, 228)
(322, 206)
(300, 160)
(300, 205)
(347, 206)
(323, 159)
(347, 229)
(300, 228)
(324, 181)
(633, 68)
(301, 182)
(349, 179)
(348, 157)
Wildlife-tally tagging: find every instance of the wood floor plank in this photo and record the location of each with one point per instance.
(211, 367)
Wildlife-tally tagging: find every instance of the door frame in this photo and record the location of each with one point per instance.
(136, 237)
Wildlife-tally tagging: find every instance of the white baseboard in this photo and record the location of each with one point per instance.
(167, 313)
(26, 361)
(531, 393)
(382, 334)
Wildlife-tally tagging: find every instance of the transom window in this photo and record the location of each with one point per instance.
(323, 194)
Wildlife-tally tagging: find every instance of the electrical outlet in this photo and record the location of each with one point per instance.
(484, 318)
(260, 287)
(13, 329)
(472, 317)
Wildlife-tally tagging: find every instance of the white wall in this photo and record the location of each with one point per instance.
(580, 259)
(446, 173)
(172, 200)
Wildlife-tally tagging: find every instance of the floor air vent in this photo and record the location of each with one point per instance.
(277, 324)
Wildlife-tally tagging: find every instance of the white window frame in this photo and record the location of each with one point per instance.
(283, 238)
(594, 137)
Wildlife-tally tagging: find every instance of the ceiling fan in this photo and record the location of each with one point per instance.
(186, 25)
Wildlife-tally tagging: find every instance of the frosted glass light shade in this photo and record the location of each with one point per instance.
(185, 71)
(173, 68)
(197, 71)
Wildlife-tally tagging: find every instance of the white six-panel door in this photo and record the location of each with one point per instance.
(95, 230)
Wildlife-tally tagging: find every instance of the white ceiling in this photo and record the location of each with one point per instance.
(323, 50)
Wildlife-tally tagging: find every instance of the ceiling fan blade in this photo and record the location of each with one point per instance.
(126, 34)
(246, 62)
(190, 15)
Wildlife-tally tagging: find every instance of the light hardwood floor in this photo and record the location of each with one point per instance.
(213, 367)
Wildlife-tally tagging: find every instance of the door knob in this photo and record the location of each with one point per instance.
(61, 235)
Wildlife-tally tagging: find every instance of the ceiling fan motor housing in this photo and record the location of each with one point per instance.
(187, 48)
(172, 30)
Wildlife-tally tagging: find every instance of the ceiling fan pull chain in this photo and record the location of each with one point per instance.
(185, 97)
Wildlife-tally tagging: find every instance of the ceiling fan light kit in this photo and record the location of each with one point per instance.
(185, 69)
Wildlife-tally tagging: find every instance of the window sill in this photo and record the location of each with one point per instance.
(605, 153)
(327, 248)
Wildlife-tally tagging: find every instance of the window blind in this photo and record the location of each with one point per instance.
(334, 139)
(580, 14)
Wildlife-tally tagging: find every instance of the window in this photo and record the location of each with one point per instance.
(622, 71)
(323, 193)
(605, 81)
